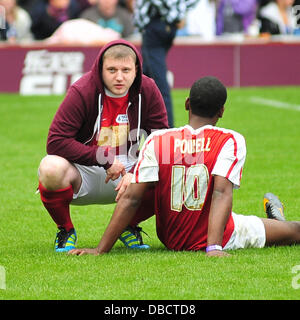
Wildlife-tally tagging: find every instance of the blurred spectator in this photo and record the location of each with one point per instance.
(158, 21)
(296, 12)
(277, 18)
(200, 20)
(109, 14)
(235, 16)
(48, 16)
(82, 32)
(17, 23)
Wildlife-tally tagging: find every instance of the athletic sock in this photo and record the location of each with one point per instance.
(57, 204)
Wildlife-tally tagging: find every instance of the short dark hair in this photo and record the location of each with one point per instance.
(207, 96)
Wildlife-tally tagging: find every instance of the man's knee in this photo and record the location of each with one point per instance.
(52, 172)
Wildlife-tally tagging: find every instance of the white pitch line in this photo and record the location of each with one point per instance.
(274, 103)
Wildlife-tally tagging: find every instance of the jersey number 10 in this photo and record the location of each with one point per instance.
(188, 187)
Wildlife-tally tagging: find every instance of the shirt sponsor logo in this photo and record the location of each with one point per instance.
(122, 118)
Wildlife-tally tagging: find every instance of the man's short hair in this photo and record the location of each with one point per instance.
(119, 51)
(207, 96)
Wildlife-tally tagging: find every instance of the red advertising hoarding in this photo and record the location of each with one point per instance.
(37, 69)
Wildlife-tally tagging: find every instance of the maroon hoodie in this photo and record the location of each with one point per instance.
(79, 116)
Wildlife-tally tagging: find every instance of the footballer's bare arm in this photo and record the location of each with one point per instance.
(221, 206)
(121, 218)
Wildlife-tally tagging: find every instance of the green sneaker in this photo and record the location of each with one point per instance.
(65, 240)
(132, 238)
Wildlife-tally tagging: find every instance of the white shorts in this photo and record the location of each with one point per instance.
(249, 232)
(93, 188)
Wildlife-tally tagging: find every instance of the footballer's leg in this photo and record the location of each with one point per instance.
(281, 232)
(58, 180)
(278, 230)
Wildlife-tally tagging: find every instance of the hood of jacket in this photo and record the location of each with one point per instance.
(96, 70)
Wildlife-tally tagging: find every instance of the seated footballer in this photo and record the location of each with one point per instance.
(193, 171)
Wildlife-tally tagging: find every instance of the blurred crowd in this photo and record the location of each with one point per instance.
(89, 21)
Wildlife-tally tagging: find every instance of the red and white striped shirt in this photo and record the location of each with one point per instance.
(183, 162)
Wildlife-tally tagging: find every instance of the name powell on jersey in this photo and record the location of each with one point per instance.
(192, 145)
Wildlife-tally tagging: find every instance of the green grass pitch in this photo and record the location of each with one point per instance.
(269, 119)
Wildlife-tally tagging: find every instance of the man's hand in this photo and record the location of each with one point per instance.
(81, 252)
(115, 171)
(123, 184)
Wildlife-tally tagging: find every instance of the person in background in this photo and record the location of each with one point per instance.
(235, 16)
(48, 16)
(158, 21)
(109, 14)
(17, 23)
(277, 18)
(200, 21)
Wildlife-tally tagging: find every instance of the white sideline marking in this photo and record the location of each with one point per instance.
(274, 103)
(2, 278)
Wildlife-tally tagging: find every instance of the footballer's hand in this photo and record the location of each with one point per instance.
(217, 253)
(81, 252)
(123, 184)
(114, 172)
